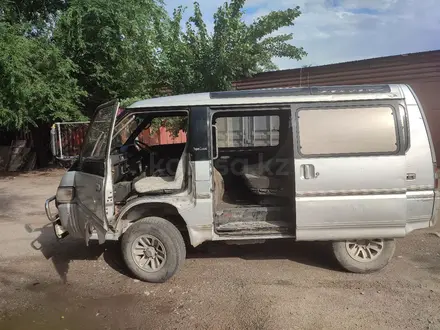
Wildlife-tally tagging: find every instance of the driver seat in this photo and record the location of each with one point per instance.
(163, 184)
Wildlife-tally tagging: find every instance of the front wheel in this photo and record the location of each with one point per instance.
(153, 249)
(365, 255)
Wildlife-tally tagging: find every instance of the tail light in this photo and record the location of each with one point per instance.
(435, 176)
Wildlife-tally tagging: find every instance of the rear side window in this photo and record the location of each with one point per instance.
(347, 131)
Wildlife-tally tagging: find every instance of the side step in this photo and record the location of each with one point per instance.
(255, 227)
(272, 214)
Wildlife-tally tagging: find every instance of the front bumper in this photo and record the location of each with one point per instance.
(59, 231)
(72, 219)
(66, 216)
(49, 214)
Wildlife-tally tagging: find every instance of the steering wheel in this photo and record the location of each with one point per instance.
(142, 145)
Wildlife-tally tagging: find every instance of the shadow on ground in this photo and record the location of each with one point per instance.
(316, 254)
(62, 252)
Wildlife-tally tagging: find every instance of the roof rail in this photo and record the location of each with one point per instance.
(301, 91)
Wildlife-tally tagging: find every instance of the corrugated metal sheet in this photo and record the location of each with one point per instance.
(161, 136)
(393, 69)
(420, 70)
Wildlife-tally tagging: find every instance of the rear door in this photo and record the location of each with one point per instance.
(349, 170)
(93, 181)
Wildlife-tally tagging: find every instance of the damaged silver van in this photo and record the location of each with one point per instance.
(353, 165)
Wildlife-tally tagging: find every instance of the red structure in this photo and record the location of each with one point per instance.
(162, 136)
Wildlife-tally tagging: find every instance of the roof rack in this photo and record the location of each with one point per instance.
(301, 91)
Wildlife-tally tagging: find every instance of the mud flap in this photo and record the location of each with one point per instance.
(88, 230)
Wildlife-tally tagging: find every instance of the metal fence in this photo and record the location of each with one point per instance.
(67, 139)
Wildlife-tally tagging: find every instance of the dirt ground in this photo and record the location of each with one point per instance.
(46, 284)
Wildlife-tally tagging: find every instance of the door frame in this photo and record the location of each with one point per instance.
(104, 171)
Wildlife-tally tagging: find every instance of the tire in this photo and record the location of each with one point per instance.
(373, 262)
(171, 249)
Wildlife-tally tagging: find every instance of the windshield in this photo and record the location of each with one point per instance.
(123, 130)
(97, 139)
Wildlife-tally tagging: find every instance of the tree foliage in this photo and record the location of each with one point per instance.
(114, 45)
(198, 60)
(30, 11)
(36, 81)
(58, 57)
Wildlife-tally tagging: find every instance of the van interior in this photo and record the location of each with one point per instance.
(147, 159)
(253, 172)
(253, 175)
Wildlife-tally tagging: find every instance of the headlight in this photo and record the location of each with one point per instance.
(65, 194)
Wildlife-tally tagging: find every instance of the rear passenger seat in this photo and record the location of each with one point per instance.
(272, 176)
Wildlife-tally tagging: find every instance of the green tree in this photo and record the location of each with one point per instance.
(196, 60)
(37, 86)
(36, 83)
(31, 11)
(58, 55)
(114, 44)
(34, 18)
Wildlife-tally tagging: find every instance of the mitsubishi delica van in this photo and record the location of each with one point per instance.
(352, 165)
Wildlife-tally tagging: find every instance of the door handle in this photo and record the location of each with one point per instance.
(307, 172)
(98, 187)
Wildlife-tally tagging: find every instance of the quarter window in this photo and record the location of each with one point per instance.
(347, 131)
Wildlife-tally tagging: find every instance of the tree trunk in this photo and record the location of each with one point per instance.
(41, 144)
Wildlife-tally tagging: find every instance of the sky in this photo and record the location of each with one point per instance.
(334, 31)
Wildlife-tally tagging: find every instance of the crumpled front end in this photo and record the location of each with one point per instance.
(65, 219)
(65, 213)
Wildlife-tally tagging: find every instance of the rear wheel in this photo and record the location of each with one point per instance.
(364, 256)
(153, 249)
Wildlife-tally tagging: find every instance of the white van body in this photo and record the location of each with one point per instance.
(360, 164)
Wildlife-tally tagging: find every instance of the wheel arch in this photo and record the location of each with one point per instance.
(140, 209)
